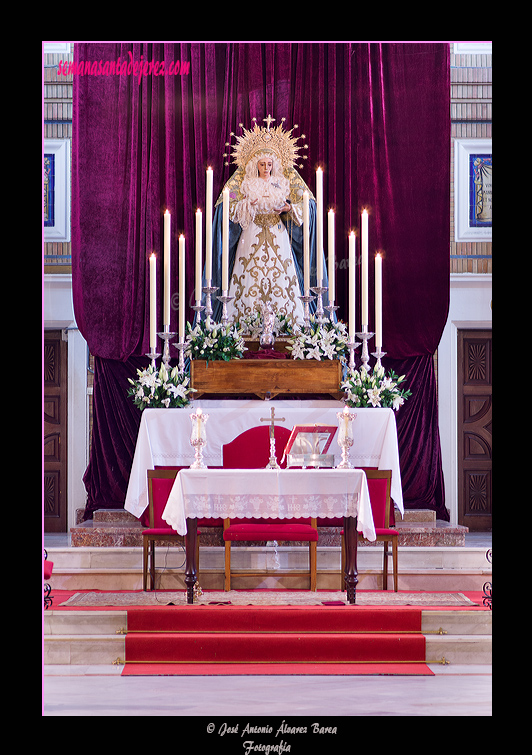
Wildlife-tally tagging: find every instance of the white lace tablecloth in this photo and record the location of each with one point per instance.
(270, 494)
(164, 437)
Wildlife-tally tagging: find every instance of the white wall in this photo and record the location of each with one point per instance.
(58, 314)
(470, 307)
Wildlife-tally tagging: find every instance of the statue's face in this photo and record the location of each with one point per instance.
(264, 166)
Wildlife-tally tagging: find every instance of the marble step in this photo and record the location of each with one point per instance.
(118, 528)
(98, 637)
(120, 568)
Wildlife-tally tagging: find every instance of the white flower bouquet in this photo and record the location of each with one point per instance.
(321, 341)
(158, 388)
(211, 341)
(375, 389)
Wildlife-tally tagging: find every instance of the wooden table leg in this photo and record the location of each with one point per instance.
(351, 539)
(191, 566)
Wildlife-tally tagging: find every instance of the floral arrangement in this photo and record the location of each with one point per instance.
(252, 325)
(158, 388)
(375, 388)
(326, 340)
(213, 341)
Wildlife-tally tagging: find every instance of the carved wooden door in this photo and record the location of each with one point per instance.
(55, 432)
(474, 429)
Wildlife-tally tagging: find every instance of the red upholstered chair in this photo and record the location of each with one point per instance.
(379, 485)
(160, 483)
(47, 573)
(251, 450)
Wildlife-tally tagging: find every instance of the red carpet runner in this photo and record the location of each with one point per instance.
(256, 640)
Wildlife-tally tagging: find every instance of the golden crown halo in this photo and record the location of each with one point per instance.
(264, 139)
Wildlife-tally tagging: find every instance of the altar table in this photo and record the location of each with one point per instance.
(164, 437)
(270, 494)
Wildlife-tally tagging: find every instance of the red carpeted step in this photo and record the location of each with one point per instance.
(274, 619)
(274, 669)
(258, 647)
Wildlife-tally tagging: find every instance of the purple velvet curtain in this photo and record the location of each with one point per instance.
(375, 116)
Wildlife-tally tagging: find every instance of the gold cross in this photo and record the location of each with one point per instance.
(272, 419)
(268, 120)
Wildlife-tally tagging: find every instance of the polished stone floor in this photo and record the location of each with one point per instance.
(101, 691)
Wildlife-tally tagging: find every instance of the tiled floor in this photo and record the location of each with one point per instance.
(101, 691)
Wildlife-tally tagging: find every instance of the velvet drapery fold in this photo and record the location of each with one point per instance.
(375, 117)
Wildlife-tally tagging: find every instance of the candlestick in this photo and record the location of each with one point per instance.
(153, 355)
(345, 436)
(181, 288)
(225, 241)
(208, 225)
(319, 226)
(181, 345)
(331, 258)
(153, 302)
(319, 291)
(364, 239)
(365, 335)
(378, 354)
(199, 270)
(166, 335)
(331, 309)
(198, 438)
(352, 284)
(306, 305)
(167, 259)
(306, 242)
(209, 290)
(352, 345)
(225, 299)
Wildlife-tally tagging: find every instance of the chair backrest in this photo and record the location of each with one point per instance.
(160, 483)
(379, 485)
(251, 449)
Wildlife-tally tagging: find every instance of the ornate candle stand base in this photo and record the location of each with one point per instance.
(319, 291)
(181, 346)
(209, 290)
(198, 462)
(379, 354)
(352, 345)
(153, 355)
(331, 309)
(365, 335)
(345, 436)
(306, 304)
(272, 463)
(198, 309)
(166, 335)
(225, 299)
(345, 446)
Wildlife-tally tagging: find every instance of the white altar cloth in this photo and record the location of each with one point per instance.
(164, 437)
(269, 494)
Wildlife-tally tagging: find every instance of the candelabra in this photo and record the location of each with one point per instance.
(345, 436)
(352, 345)
(225, 299)
(198, 438)
(166, 335)
(365, 335)
(181, 345)
(306, 304)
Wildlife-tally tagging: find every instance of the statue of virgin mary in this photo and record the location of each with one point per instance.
(265, 228)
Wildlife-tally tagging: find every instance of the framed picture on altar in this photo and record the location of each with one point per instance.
(309, 442)
(472, 190)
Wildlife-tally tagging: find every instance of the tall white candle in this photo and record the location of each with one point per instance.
(208, 226)
(153, 302)
(199, 270)
(364, 239)
(225, 241)
(181, 288)
(167, 257)
(319, 226)
(352, 284)
(331, 257)
(306, 243)
(378, 301)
